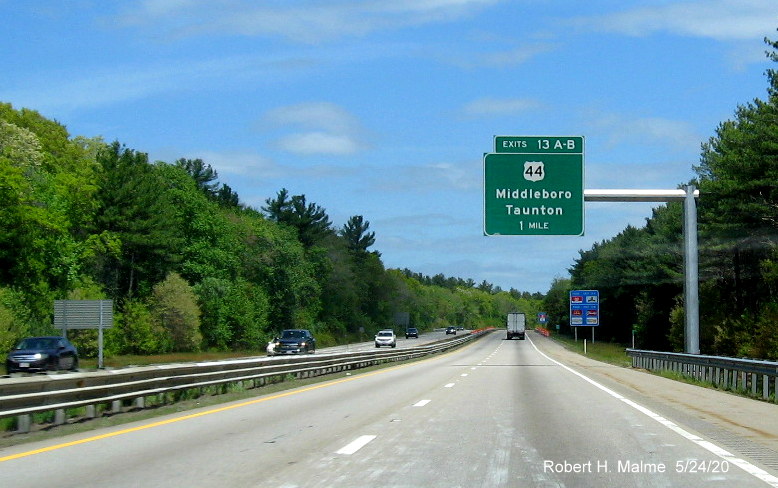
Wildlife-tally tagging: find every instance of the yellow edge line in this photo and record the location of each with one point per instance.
(207, 412)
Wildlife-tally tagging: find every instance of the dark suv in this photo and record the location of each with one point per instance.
(41, 354)
(411, 332)
(295, 341)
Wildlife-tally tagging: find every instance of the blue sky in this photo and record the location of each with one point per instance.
(385, 108)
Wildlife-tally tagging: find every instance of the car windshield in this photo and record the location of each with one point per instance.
(292, 334)
(384, 334)
(38, 343)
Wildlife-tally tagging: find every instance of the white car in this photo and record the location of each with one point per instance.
(385, 338)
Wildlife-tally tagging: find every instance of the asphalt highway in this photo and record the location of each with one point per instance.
(494, 413)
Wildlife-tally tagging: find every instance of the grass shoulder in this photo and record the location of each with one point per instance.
(607, 352)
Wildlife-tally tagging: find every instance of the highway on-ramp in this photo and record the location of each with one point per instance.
(494, 413)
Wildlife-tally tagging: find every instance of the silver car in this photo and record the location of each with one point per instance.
(385, 338)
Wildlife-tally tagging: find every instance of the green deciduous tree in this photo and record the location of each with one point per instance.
(46, 199)
(273, 258)
(174, 306)
(137, 331)
(14, 318)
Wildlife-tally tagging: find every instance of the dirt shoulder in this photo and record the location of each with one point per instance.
(743, 424)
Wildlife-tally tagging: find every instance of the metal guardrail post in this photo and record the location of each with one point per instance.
(23, 423)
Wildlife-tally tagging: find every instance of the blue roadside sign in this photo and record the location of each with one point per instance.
(584, 308)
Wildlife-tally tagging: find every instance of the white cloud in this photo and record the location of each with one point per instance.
(318, 143)
(496, 59)
(333, 130)
(324, 115)
(86, 89)
(516, 56)
(421, 220)
(156, 8)
(722, 20)
(742, 54)
(428, 178)
(621, 129)
(665, 174)
(311, 21)
(245, 164)
(500, 106)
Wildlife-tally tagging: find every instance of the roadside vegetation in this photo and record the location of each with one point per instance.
(190, 267)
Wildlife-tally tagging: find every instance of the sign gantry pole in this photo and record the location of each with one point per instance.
(691, 273)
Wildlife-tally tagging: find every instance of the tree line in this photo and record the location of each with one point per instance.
(639, 272)
(188, 265)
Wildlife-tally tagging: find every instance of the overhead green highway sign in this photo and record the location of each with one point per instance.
(534, 185)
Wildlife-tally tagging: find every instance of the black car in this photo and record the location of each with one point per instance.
(411, 332)
(451, 330)
(50, 353)
(294, 341)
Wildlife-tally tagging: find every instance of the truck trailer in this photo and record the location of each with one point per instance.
(517, 324)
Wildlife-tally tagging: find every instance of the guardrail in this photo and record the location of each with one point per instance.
(25, 396)
(747, 375)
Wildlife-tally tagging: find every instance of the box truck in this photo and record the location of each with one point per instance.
(517, 324)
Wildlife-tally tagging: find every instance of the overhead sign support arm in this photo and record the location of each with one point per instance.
(690, 248)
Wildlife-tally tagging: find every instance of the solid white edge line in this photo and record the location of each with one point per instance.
(356, 444)
(709, 446)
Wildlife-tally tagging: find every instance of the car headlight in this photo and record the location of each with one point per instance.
(41, 355)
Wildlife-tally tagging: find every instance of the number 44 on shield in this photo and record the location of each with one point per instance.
(534, 170)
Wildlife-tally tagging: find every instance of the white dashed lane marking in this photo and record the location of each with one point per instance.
(356, 445)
